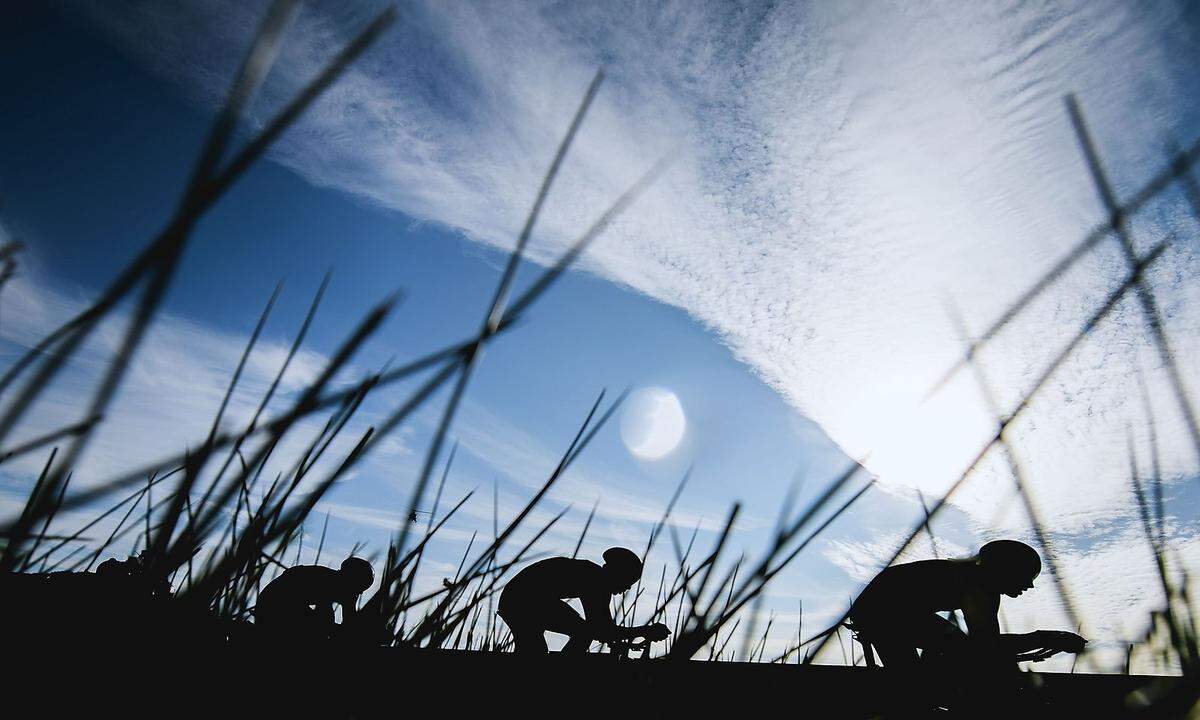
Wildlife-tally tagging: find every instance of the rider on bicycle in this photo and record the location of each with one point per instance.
(898, 610)
(533, 602)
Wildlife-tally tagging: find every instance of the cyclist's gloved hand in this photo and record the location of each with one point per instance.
(1036, 655)
(655, 632)
(1062, 640)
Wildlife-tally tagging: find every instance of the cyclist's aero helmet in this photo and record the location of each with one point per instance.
(358, 572)
(1011, 558)
(624, 562)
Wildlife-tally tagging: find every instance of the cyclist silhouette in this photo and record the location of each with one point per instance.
(897, 611)
(299, 603)
(532, 603)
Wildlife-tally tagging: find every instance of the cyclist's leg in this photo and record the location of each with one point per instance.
(529, 637)
(891, 636)
(530, 640)
(894, 652)
(563, 619)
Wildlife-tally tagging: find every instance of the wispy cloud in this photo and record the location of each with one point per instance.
(179, 377)
(847, 169)
(528, 462)
(172, 390)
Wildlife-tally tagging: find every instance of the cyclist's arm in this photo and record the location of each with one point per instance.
(349, 607)
(599, 619)
(983, 627)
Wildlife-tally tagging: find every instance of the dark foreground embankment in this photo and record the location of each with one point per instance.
(84, 645)
(250, 681)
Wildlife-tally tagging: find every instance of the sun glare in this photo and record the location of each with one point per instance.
(922, 445)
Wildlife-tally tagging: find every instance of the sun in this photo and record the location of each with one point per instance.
(652, 423)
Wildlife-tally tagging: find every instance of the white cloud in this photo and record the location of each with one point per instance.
(171, 391)
(528, 461)
(847, 169)
(177, 380)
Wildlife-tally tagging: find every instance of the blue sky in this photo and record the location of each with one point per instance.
(786, 280)
(129, 138)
